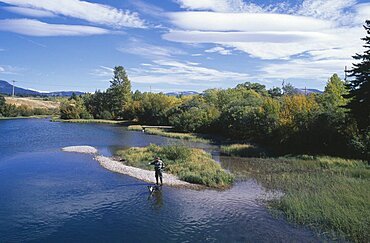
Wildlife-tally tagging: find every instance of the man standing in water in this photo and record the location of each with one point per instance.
(158, 167)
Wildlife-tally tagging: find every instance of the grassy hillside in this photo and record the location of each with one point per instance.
(32, 102)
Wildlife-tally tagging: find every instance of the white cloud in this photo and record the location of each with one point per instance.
(309, 40)
(210, 21)
(30, 12)
(102, 71)
(335, 10)
(220, 50)
(252, 36)
(7, 69)
(37, 28)
(180, 73)
(91, 12)
(305, 69)
(138, 47)
(220, 5)
(362, 13)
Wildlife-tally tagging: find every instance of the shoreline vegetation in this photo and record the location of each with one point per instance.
(328, 194)
(106, 121)
(188, 164)
(169, 133)
(25, 117)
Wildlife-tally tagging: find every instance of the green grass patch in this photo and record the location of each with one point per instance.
(330, 194)
(165, 133)
(189, 164)
(135, 128)
(242, 150)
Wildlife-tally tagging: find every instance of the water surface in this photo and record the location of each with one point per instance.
(50, 196)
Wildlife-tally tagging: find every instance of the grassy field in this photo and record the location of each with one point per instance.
(161, 132)
(189, 164)
(32, 102)
(329, 194)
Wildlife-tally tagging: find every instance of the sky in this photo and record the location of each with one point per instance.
(178, 45)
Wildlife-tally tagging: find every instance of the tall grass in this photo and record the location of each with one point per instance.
(242, 150)
(330, 194)
(189, 164)
(162, 132)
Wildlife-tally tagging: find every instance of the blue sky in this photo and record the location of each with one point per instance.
(174, 45)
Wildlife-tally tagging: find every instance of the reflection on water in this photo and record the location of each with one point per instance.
(50, 196)
(156, 199)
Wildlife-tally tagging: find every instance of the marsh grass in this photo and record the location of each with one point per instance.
(242, 150)
(165, 133)
(189, 164)
(329, 194)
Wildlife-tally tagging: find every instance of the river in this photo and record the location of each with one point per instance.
(47, 195)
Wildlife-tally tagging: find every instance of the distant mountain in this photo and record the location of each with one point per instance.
(7, 88)
(182, 93)
(308, 91)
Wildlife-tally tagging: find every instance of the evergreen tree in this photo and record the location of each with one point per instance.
(359, 88)
(119, 92)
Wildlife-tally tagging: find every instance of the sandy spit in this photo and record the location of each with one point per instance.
(119, 167)
(81, 149)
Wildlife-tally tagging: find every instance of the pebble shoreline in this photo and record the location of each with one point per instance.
(119, 167)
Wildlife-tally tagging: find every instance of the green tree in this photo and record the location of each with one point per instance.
(335, 89)
(194, 115)
(275, 92)
(289, 89)
(359, 93)
(74, 109)
(119, 92)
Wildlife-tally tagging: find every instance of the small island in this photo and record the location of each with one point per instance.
(186, 167)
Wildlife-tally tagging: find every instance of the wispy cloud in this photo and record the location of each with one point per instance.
(91, 12)
(306, 39)
(220, 50)
(220, 5)
(138, 47)
(102, 71)
(7, 69)
(37, 28)
(30, 12)
(180, 73)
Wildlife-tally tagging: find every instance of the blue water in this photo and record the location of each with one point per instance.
(50, 196)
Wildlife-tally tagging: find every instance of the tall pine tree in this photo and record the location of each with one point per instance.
(359, 88)
(119, 92)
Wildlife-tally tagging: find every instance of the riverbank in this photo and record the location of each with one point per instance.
(327, 194)
(121, 122)
(25, 117)
(119, 167)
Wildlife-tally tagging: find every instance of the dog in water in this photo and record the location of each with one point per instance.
(154, 188)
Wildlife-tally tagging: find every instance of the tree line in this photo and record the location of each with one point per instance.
(336, 122)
